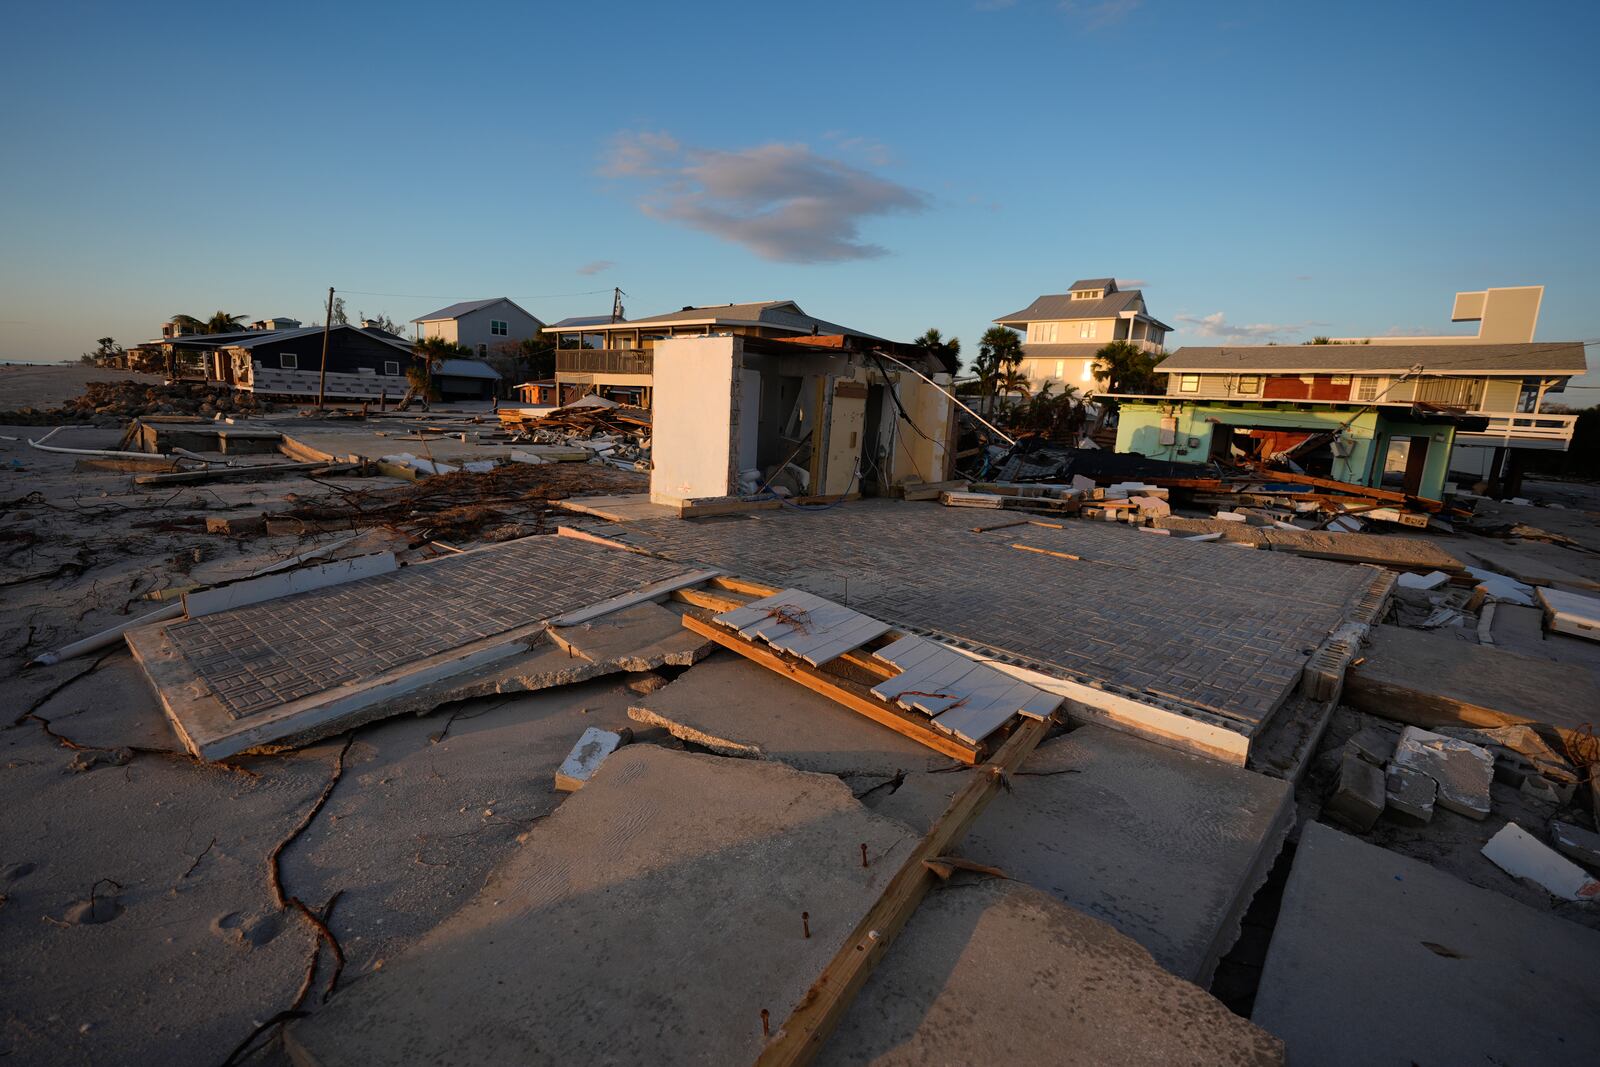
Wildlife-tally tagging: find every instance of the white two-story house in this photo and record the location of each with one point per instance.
(1063, 331)
(484, 326)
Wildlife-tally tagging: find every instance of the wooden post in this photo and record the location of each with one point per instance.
(327, 328)
(823, 1007)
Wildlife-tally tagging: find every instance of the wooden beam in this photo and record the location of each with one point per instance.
(842, 691)
(823, 1007)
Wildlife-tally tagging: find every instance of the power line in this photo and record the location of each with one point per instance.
(440, 296)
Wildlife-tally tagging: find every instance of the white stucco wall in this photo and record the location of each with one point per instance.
(695, 427)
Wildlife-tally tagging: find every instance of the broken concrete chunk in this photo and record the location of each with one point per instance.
(1358, 798)
(638, 638)
(586, 756)
(1410, 792)
(1576, 842)
(1462, 770)
(1373, 745)
(1431, 580)
(1524, 856)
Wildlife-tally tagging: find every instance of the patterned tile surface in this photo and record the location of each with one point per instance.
(264, 655)
(1212, 626)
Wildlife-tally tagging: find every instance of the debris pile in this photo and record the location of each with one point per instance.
(111, 403)
(618, 434)
(494, 505)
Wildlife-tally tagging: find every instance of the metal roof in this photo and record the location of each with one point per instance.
(779, 314)
(1552, 357)
(262, 337)
(1062, 307)
(467, 307)
(1094, 283)
(465, 368)
(582, 320)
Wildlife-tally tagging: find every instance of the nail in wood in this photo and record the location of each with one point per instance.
(766, 1023)
(805, 922)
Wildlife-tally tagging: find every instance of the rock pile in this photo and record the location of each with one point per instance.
(113, 403)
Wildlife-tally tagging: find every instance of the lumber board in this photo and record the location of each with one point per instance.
(820, 1011)
(839, 690)
(231, 474)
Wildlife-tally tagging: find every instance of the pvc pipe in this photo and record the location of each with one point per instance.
(112, 453)
(106, 637)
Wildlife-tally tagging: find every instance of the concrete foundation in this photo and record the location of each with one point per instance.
(1166, 847)
(738, 708)
(996, 972)
(651, 919)
(1378, 958)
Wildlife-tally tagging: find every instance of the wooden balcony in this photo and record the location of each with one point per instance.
(603, 361)
(1523, 430)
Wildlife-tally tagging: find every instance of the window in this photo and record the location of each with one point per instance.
(1369, 388)
(498, 328)
(391, 366)
(1087, 330)
(1088, 294)
(1249, 384)
(1189, 383)
(1061, 368)
(1043, 333)
(288, 361)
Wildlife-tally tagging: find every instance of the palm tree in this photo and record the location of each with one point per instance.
(1122, 367)
(222, 322)
(999, 351)
(1012, 381)
(430, 352)
(948, 352)
(188, 324)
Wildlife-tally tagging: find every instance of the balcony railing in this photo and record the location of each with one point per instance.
(1537, 431)
(603, 361)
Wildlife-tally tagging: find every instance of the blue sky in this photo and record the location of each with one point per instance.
(1266, 170)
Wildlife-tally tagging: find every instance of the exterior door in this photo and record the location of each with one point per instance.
(1416, 463)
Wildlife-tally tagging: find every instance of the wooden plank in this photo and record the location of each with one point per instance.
(802, 1035)
(839, 690)
(1047, 552)
(233, 474)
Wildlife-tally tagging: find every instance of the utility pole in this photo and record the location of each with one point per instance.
(327, 327)
(616, 305)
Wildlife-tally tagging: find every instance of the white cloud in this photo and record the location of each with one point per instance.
(597, 267)
(782, 201)
(1217, 326)
(1131, 283)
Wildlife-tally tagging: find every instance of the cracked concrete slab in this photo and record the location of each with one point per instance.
(996, 972)
(1429, 968)
(738, 708)
(1167, 847)
(595, 943)
(640, 638)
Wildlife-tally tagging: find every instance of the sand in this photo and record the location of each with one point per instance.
(49, 385)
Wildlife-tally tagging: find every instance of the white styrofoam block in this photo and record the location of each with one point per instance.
(1499, 587)
(1570, 613)
(1431, 580)
(585, 758)
(1522, 855)
(1230, 516)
